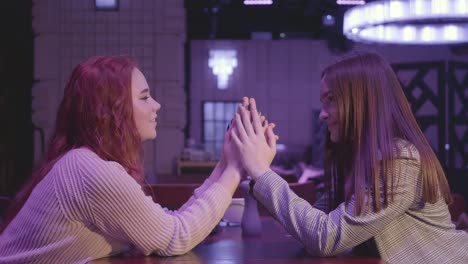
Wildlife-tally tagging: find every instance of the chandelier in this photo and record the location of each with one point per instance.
(222, 64)
(408, 22)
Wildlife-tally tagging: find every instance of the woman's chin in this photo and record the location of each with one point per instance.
(149, 137)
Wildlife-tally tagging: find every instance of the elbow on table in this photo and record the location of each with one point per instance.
(321, 250)
(321, 253)
(170, 252)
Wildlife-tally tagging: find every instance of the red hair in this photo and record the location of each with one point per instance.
(96, 112)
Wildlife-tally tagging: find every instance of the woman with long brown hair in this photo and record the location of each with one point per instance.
(85, 201)
(386, 185)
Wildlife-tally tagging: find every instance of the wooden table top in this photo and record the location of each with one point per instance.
(228, 245)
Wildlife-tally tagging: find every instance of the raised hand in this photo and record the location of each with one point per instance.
(229, 154)
(256, 143)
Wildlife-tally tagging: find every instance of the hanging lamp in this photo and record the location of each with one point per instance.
(408, 22)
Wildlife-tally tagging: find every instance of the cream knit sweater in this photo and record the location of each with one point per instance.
(87, 208)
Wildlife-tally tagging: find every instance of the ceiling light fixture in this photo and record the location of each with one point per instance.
(258, 2)
(106, 5)
(222, 64)
(350, 2)
(408, 22)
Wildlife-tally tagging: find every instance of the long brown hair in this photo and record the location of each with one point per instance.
(372, 112)
(96, 112)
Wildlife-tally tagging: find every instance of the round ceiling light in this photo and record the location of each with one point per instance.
(408, 22)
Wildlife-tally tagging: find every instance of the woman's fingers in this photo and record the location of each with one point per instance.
(245, 117)
(239, 127)
(264, 122)
(265, 126)
(271, 137)
(255, 117)
(253, 123)
(234, 138)
(245, 102)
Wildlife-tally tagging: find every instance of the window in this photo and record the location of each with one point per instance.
(216, 117)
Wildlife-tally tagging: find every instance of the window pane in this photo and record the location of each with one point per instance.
(220, 128)
(219, 111)
(210, 147)
(230, 110)
(208, 111)
(209, 131)
(218, 148)
(216, 117)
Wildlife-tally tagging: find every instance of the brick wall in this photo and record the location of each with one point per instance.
(152, 31)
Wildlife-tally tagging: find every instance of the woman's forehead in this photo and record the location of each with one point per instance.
(324, 88)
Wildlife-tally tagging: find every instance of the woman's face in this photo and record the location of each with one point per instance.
(329, 111)
(144, 106)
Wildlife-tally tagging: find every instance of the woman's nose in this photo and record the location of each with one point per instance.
(156, 106)
(323, 115)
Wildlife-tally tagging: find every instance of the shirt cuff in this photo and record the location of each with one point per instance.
(267, 181)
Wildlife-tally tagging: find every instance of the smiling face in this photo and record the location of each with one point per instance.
(144, 106)
(329, 111)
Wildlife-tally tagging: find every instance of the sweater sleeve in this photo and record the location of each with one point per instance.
(195, 195)
(205, 186)
(331, 234)
(115, 203)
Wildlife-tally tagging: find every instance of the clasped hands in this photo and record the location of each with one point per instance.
(249, 143)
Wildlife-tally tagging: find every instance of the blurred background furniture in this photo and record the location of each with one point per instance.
(195, 166)
(304, 190)
(459, 211)
(4, 203)
(171, 195)
(457, 207)
(174, 195)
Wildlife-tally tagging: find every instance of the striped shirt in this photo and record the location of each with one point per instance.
(406, 231)
(87, 208)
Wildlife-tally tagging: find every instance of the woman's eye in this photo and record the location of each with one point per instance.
(145, 98)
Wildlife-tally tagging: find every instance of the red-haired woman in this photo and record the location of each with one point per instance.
(387, 187)
(86, 201)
